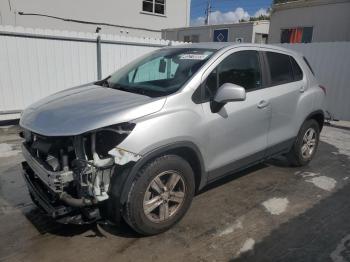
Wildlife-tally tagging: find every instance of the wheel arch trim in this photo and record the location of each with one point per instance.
(158, 152)
(313, 114)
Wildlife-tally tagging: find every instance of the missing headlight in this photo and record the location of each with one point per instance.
(109, 137)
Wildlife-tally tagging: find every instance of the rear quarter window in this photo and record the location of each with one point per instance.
(297, 72)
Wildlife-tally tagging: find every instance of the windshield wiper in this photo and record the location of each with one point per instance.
(129, 89)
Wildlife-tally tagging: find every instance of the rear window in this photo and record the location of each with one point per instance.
(308, 64)
(281, 71)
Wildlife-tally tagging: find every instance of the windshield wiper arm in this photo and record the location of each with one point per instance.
(130, 89)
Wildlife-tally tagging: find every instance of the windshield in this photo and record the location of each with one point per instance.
(160, 73)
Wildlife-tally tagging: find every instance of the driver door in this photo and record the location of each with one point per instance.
(237, 133)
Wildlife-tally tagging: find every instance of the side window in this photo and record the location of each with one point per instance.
(297, 72)
(154, 6)
(241, 68)
(281, 71)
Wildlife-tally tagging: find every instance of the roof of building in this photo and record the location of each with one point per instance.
(305, 3)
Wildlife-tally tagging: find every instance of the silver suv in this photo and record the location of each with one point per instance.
(139, 144)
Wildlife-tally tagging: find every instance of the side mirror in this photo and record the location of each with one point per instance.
(229, 93)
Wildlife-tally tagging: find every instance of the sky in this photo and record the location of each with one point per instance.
(227, 11)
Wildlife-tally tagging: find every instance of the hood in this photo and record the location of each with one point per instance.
(85, 108)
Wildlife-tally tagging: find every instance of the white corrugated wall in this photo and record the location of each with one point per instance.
(116, 56)
(37, 63)
(331, 63)
(32, 68)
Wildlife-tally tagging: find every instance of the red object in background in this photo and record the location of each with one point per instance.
(296, 35)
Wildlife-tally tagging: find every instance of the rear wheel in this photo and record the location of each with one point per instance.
(306, 144)
(160, 195)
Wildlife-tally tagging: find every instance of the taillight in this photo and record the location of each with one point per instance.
(323, 89)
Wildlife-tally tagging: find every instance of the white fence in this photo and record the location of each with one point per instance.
(37, 63)
(331, 63)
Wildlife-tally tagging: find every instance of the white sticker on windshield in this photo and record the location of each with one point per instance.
(194, 56)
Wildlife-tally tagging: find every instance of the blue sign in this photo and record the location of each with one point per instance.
(220, 35)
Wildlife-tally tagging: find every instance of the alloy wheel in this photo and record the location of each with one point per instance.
(309, 143)
(164, 196)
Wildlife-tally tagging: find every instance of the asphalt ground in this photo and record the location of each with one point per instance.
(270, 212)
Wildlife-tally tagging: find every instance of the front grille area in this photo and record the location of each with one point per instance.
(56, 152)
(59, 177)
(51, 159)
(54, 180)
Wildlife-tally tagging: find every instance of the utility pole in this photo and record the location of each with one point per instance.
(207, 12)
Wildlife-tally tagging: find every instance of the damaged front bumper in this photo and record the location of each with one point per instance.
(70, 177)
(51, 203)
(46, 189)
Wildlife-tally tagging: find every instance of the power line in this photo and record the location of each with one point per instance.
(87, 22)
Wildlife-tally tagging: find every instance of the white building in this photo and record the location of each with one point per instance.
(306, 21)
(143, 18)
(249, 32)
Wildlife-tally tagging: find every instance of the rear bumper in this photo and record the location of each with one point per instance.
(48, 200)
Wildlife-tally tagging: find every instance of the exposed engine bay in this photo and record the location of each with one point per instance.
(74, 171)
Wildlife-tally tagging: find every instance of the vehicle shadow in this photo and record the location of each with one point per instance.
(45, 224)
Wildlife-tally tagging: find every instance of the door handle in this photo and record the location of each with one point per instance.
(302, 89)
(263, 104)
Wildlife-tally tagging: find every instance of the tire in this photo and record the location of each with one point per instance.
(298, 156)
(145, 194)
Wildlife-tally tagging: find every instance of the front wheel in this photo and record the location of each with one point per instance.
(306, 144)
(160, 195)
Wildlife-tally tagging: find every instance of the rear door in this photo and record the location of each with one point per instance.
(286, 85)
